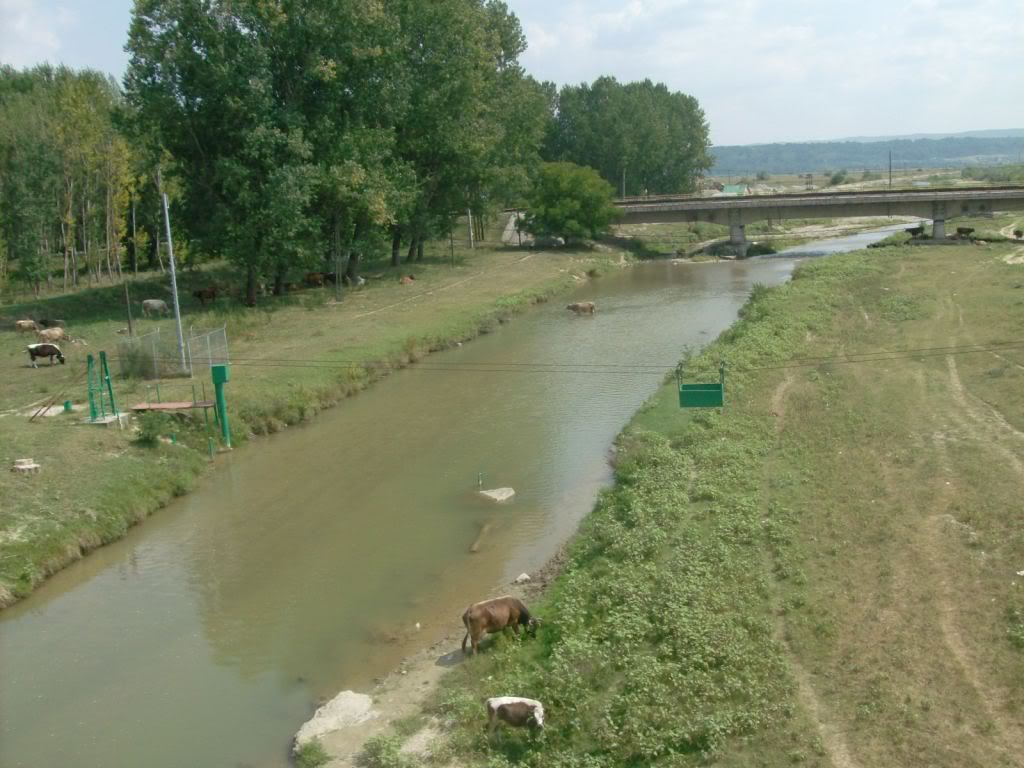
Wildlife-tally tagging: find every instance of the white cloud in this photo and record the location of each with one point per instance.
(29, 33)
(795, 69)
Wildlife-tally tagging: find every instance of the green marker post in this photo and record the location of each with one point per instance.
(221, 375)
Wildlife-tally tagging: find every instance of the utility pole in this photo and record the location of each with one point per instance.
(128, 306)
(472, 241)
(890, 170)
(174, 276)
(623, 180)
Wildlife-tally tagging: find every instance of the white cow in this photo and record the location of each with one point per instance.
(514, 710)
(149, 306)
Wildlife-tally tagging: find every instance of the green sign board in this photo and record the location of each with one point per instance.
(709, 395)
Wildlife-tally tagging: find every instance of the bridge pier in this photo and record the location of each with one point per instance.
(938, 229)
(738, 234)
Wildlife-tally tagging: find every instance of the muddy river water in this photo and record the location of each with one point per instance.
(301, 565)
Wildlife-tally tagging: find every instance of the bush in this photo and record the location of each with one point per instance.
(153, 426)
(570, 202)
(837, 178)
(384, 752)
(311, 755)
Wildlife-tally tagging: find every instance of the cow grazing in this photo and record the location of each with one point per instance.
(157, 306)
(50, 323)
(206, 294)
(495, 615)
(514, 710)
(582, 307)
(44, 350)
(50, 335)
(23, 326)
(315, 279)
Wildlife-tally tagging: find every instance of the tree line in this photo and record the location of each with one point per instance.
(296, 136)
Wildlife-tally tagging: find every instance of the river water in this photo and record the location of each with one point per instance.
(301, 567)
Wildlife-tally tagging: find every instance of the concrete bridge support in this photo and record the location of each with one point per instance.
(938, 229)
(738, 234)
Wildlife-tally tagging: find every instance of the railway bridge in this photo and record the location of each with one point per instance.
(939, 205)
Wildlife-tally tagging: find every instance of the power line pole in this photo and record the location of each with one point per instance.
(174, 276)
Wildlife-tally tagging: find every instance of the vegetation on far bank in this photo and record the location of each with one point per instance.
(823, 573)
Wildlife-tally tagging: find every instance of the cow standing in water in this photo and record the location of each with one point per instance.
(582, 307)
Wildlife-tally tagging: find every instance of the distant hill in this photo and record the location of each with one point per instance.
(805, 157)
(1009, 133)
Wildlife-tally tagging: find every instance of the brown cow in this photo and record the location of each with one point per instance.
(44, 350)
(22, 326)
(315, 279)
(495, 615)
(582, 307)
(514, 710)
(50, 335)
(204, 294)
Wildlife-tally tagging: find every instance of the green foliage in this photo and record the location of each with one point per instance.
(152, 427)
(1001, 174)
(652, 139)
(384, 752)
(837, 178)
(63, 171)
(571, 202)
(311, 755)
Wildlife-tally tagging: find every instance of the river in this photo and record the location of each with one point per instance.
(301, 566)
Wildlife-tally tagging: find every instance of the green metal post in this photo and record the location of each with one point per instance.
(109, 383)
(90, 375)
(221, 375)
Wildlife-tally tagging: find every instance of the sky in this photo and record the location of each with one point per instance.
(762, 70)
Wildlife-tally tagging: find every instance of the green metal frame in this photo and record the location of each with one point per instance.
(101, 389)
(708, 395)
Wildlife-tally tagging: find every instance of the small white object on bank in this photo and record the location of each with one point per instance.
(499, 494)
(345, 710)
(522, 578)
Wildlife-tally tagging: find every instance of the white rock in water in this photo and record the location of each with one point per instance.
(499, 494)
(522, 578)
(345, 710)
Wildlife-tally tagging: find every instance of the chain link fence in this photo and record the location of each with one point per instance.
(156, 355)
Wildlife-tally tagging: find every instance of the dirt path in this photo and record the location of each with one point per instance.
(832, 737)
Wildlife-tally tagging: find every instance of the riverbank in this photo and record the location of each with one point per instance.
(826, 572)
(96, 483)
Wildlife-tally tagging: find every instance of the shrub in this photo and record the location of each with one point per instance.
(153, 426)
(570, 202)
(311, 755)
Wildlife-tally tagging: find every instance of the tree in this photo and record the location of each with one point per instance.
(570, 202)
(639, 136)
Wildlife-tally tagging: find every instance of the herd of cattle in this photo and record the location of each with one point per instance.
(49, 332)
(492, 616)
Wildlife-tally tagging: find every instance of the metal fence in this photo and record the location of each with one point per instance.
(205, 349)
(156, 355)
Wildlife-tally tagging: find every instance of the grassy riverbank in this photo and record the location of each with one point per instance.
(824, 573)
(97, 482)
